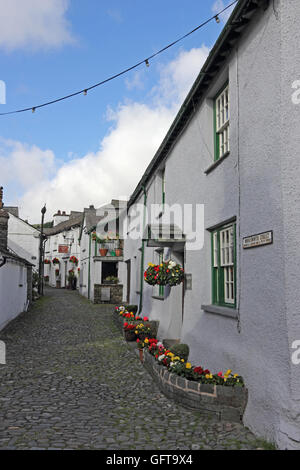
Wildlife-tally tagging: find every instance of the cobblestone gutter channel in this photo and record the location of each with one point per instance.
(71, 382)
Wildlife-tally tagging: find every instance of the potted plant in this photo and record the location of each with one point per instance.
(71, 276)
(46, 278)
(129, 331)
(55, 261)
(102, 250)
(111, 280)
(47, 261)
(166, 273)
(57, 272)
(118, 251)
(74, 260)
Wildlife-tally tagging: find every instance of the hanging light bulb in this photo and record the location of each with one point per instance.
(217, 19)
(85, 92)
(147, 63)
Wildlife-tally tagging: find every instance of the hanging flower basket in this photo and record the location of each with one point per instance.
(47, 261)
(167, 273)
(55, 261)
(74, 260)
(57, 272)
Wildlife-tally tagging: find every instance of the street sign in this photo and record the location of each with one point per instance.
(260, 239)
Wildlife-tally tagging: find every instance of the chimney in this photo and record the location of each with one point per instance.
(3, 223)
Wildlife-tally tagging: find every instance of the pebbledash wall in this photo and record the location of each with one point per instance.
(258, 186)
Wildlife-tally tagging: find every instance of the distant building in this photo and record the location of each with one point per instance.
(102, 267)
(23, 238)
(62, 244)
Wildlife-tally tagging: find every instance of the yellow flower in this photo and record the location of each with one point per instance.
(236, 375)
(146, 340)
(176, 358)
(188, 365)
(136, 332)
(228, 372)
(182, 360)
(207, 376)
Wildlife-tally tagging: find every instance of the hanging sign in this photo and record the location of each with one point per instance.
(63, 249)
(260, 239)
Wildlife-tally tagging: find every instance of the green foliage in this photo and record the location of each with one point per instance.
(182, 350)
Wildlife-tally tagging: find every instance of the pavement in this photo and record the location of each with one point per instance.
(71, 382)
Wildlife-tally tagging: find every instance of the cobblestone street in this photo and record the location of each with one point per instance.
(71, 382)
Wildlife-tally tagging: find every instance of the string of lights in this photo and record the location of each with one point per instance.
(146, 61)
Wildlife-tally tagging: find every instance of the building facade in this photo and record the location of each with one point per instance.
(62, 250)
(231, 159)
(102, 267)
(15, 276)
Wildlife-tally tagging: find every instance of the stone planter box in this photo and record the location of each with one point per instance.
(115, 293)
(221, 402)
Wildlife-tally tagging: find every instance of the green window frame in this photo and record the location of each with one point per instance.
(223, 247)
(221, 122)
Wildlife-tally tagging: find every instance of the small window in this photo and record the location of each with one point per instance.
(224, 266)
(222, 114)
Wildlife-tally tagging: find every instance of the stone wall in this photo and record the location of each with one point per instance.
(224, 403)
(115, 293)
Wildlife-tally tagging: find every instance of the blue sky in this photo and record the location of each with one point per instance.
(82, 151)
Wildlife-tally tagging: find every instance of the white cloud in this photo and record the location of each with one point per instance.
(34, 24)
(219, 5)
(116, 168)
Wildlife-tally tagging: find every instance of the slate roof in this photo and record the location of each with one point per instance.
(74, 221)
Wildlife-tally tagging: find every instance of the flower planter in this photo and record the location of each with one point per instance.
(223, 402)
(129, 335)
(118, 252)
(103, 251)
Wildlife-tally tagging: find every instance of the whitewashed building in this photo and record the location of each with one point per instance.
(15, 276)
(233, 149)
(23, 238)
(102, 267)
(62, 244)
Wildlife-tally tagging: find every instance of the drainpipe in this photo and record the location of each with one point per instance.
(89, 271)
(2, 261)
(143, 253)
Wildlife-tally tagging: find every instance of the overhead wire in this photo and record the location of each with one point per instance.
(145, 61)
